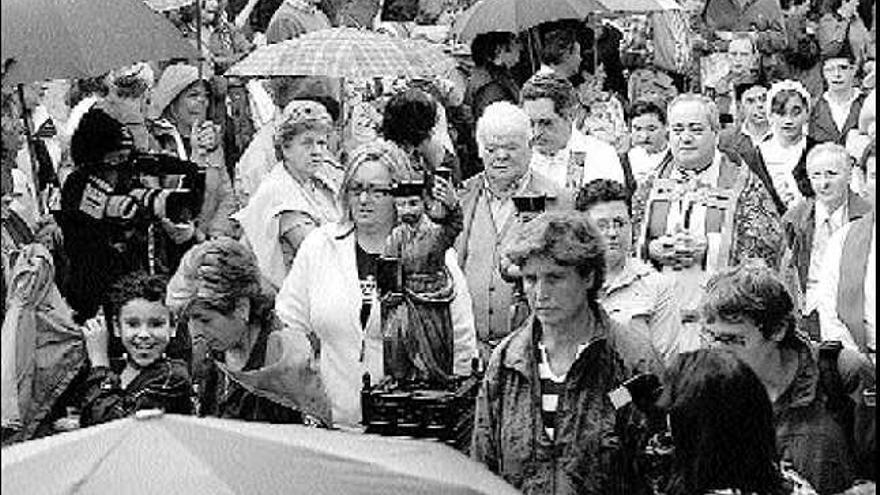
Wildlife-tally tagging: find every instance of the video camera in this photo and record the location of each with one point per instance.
(145, 188)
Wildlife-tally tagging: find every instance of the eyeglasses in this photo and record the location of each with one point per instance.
(711, 337)
(374, 191)
(618, 223)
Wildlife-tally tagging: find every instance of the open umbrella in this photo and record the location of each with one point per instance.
(61, 39)
(345, 52)
(167, 454)
(518, 15)
(639, 6)
(167, 5)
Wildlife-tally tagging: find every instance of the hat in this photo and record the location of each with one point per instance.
(174, 81)
(97, 135)
(305, 111)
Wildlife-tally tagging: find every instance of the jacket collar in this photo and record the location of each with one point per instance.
(804, 387)
(519, 353)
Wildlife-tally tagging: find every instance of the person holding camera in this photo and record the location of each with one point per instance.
(180, 126)
(342, 259)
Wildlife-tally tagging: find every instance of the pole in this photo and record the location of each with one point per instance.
(29, 135)
(199, 36)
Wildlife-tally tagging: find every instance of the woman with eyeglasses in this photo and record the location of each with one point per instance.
(331, 289)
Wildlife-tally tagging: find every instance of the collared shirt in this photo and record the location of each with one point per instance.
(646, 304)
(502, 207)
(832, 327)
(826, 224)
(757, 138)
(600, 161)
(840, 111)
(643, 162)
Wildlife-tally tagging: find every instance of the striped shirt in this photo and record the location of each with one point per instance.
(552, 386)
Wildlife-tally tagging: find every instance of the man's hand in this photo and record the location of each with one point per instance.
(96, 337)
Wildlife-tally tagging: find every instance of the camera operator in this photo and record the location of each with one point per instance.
(113, 218)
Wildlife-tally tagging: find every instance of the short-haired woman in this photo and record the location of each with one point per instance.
(544, 421)
(298, 195)
(255, 372)
(494, 55)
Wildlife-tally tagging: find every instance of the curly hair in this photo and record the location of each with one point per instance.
(551, 86)
(722, 425)
(556, 44)
(569, 238)
(137, 285)
(410, 117)
(486, 46)
(753, 290)
(601, 191)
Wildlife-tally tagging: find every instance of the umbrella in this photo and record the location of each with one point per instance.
(518, 15)
(345, 52)
(166, 5)
(168, 454)
(639, 6)
(60, 39)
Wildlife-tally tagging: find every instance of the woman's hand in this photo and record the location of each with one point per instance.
(97, 338)
(204, 138)
(443, 191)
(179, 232)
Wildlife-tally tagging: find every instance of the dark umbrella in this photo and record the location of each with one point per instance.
(73, 39)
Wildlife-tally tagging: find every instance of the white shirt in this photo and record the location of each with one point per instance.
(781, 161)
(840, 111)
(821, 235)
(600, 162)
(643, 162)
(832, 328)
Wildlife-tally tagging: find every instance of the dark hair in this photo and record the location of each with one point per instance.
(136, 285)
(870, 151)
(741, 88)
(780, 99)
(551, 86)
(642, 107)
(486, 46)
(753, 290)
(722, 425)
(569, 238)
(556, 44)
(601, 191)
(409, 118)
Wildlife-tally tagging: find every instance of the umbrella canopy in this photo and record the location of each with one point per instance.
(639, 6)
(166, 5)
(61, 39)
(518, 15)
(168, 454)
(345, 52)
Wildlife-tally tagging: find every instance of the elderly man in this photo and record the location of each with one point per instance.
(822, 419)
(847, 288)
(568, 157)
(634, 294)
(701, 211)
(489, 213)
(544, 420)
(811, 223)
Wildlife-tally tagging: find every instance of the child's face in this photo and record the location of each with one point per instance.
(145, 329)
(409, 209)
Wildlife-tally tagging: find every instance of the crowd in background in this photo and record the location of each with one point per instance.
(706, 187)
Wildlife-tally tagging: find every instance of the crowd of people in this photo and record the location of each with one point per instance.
(654, 234)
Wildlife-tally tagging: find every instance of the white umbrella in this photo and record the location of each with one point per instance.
(170, 454)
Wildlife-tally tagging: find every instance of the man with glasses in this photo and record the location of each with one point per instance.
(634, 294)
(701, 211)
(816, 392)
(837, 111)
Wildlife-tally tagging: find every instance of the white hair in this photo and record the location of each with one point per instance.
(834, 150)
(503, 117)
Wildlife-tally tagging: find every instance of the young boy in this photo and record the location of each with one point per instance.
(149, 380)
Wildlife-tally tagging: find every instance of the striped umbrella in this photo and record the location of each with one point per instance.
(348, 53)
